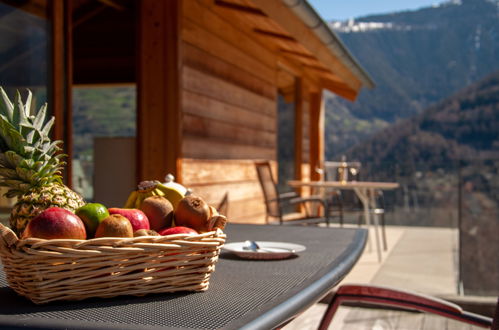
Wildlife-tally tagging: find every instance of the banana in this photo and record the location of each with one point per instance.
(159, 192)
(138, 201)
(170, 193)
(154, 188)
(130, 202)
(141, 195)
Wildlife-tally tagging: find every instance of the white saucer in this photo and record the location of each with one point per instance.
(267, 251)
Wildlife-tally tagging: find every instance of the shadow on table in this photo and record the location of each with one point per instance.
(14, 304)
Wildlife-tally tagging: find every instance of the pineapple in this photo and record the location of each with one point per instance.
(30, 165)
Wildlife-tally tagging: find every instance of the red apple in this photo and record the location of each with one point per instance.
(54, 223)
(136, 217)
(178, 230)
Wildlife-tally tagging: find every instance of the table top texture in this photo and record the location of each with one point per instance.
(242, 293)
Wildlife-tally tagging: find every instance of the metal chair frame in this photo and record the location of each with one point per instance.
(385, 296)
(276, 202)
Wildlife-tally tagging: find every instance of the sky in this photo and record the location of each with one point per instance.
(346, 9)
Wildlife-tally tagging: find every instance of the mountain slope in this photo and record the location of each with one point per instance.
(461, 127)
(416, 58)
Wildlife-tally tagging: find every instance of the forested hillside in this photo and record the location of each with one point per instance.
(463, 128)
(416, 58)
(101, 111)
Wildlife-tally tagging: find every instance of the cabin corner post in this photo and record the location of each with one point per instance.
(61, 78)
(316, 134)
(159, 115)
(298, 128)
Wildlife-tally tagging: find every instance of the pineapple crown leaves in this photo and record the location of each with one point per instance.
(27, 155)
(21, 131)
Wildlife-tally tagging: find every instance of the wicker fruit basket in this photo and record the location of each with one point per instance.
(48, 270)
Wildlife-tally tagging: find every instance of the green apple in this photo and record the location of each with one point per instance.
(92, 215)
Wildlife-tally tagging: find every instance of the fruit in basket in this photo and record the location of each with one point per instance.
(92, 215)
(114, 225)
(55, 223)
(136, 217)
(178, 230)
(147, 189)
(145, 232)
(159, 211)
(30, 163)
(217, 221)
(213, 211)
(193, 212)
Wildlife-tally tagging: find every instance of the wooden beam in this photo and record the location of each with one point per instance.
(88, 14)
(298, 128)
(113, 4)
(282, 15)
(299, 54)
(159, 131)
(61, 79)
(339, 88)
(68, 88)
(274, 35)
(317, 68)
(316, 113)
(297, 69)
(57, 96)
(240, 8)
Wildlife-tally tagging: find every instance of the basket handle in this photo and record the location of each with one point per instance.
(8, 237)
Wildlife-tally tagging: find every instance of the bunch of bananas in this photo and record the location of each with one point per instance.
(154, 188)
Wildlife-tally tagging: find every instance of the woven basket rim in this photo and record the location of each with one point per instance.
(9, 238)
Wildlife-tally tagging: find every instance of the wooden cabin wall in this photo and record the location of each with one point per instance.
(229, 105)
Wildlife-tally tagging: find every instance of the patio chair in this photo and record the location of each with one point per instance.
(223, 206)
(368, 295)
(275, 203)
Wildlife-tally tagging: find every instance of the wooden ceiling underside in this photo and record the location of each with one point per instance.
(294, 58)
(104, 41)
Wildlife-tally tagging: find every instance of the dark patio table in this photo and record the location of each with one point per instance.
(243, 293)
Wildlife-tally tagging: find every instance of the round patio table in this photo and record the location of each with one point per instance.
(247, 294)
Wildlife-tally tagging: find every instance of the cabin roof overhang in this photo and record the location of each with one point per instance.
(305, 44)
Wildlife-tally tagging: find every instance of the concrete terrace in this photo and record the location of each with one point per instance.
(421, 259)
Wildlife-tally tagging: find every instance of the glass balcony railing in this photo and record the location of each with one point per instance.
(462, 195)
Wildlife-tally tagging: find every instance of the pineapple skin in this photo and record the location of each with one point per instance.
(38, 199)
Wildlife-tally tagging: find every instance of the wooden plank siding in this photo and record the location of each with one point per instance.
(229, 112)
(212, 179)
